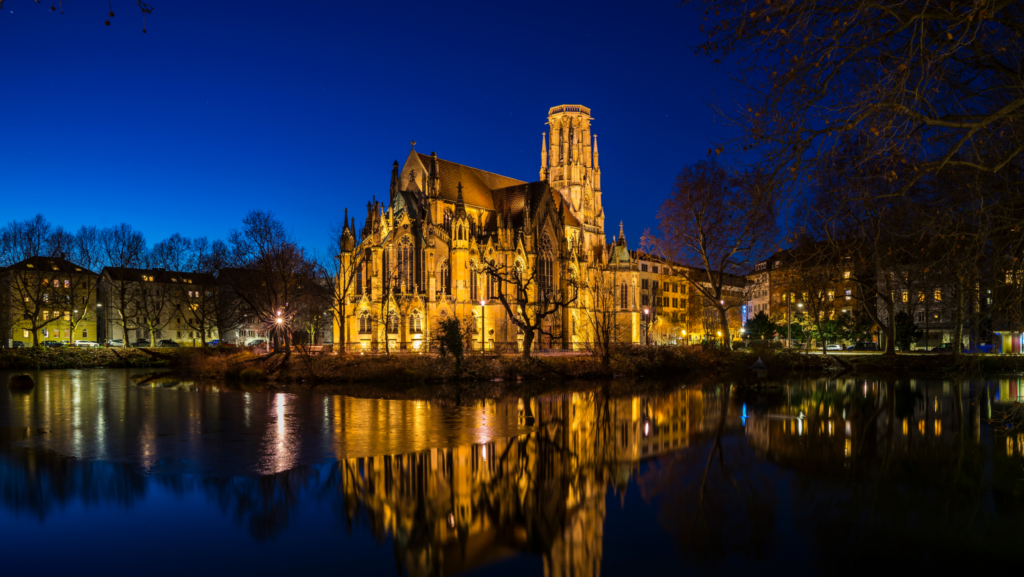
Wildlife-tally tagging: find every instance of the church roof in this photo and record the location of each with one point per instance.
(476, 184)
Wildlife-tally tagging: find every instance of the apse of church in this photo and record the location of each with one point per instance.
(419, 256)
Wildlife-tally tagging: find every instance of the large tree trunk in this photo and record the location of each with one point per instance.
(958, 322)
(724, 322)
(890, 329)
(527, 343)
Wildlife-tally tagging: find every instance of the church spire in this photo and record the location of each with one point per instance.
(460, 205)
(434, 186)
(394, 181)
(622, 236)
(596, 166)
(544, 156)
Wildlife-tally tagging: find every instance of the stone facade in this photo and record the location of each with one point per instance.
(420, 256)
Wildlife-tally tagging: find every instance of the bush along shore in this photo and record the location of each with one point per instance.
(38, 358)
(635, 362)
(383, 374)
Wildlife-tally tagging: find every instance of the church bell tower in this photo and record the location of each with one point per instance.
(569, 163)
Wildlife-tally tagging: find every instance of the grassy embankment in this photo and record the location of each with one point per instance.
(39, 358)
(500, 374)
(637, 362)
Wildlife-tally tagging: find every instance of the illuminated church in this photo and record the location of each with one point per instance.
(417, 259)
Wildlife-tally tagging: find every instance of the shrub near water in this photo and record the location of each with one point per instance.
(77, 358)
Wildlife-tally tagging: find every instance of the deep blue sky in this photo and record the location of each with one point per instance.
(301, 107)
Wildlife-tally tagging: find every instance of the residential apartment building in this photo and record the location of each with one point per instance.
(47, 299)
(149, 305)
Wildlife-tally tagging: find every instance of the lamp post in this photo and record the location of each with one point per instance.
(647, 326)
(789, 320)
(481, 327)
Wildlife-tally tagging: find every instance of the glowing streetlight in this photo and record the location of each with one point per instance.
(482, 303)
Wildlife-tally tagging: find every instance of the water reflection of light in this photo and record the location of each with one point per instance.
(483, 452)
(743, 417)
(279, 452)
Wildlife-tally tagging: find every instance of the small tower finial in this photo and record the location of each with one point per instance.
(413, 143)
(544, 156)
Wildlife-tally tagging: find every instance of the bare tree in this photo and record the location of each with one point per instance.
(271, 270)
(535, 303)
(337, 274)
(602, 310)
(121, 248)
(718, 225)
(194, 298)
(934, 83)
(44, 286)
(144, 9)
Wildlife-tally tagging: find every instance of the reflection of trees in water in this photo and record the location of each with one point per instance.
(711, 498)
(445, 509)
(858, 466)
(869, 470)
(38, 482)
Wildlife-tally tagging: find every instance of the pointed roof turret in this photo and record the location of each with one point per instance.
(435, 176)
(620, 253)
(544, 156)
(460, 205)
(348, 240)
(394, 180)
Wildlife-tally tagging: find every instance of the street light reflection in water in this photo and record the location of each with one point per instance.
(575, 483)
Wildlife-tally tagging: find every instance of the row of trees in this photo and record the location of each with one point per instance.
(259, 275)
(887, 133)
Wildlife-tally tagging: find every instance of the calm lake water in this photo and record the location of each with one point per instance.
(98, 474)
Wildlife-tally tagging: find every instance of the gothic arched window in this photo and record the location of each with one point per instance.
(518, 276)
(416, 323)
(448, 221)
(473, 295)
(546, 267)
(405, 265)
(364, 322)
(624, 296)
(446, 278)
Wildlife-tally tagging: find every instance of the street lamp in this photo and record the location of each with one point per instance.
(647, 326)
(482, 326)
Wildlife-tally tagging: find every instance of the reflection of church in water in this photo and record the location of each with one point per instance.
(450, 510)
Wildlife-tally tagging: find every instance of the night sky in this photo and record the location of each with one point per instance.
(301, 108)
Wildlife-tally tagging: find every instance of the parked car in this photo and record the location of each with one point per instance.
(52, 344)
(18, 345)
(167, 343)
(833, 347)
(115, 342)
(257, 343)
(946, 348)
(863, 346)
(219, 343)
(140, 343)
(90, 344)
